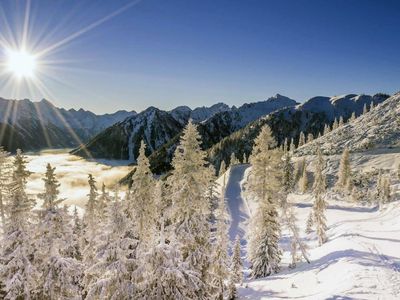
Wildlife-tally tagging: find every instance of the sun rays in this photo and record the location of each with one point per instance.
(28, 62)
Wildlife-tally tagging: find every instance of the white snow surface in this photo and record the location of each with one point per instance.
(360, 260)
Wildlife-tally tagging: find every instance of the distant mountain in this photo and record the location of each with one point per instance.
(379, 128)
(183, 113)
(220, 125)
(309, 117)
(35, 125)
(156, 127)
(122, 140)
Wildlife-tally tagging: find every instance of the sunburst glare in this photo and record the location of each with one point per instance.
(21, 63)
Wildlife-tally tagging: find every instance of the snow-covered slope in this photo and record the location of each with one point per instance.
(122, 140)
(361, 258)
(65, 128)
(379, 128)
(309, 117)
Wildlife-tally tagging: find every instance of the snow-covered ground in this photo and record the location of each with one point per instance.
(361, 259)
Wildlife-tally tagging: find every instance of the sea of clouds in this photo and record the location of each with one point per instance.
(72, 172)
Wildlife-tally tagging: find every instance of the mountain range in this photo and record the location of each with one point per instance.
(223, 129)
(36, 125)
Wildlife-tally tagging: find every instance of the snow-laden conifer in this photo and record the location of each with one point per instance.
(188, 184)
(220, 258)
(111, 276)
(319, 207)
(344, 172)
(222, 168)
(302, 139)
(303, 182)
(237, 263)
(60, 273)
(5, 176)
(18, 273)
(264, 185)
(141, 207)
(310, 137)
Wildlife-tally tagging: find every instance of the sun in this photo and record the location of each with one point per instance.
(21, 63)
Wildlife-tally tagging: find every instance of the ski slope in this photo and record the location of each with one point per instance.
(361, 259)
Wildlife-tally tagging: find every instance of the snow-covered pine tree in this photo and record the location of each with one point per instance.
(90, 223)
(233, 160)
(188, 183)
(59, 271)
(353, 117)
(292, 146)
(111, 276)
(220, 258)
(310, 222)
(237, 263)
(398, 170)
(212, 194)
(303, 182)
(245, 159)
(327, 129)
(310, 137)
(386, 189)
(77, 231)
(319, 202)
(264, 185)
(165, 275)
(141, 207)
(371, 107)
(288, 213)
(365, 109)
(222, 168)
(5, 175)
(102, 203)
(344, 172)
(17, 272)
(335, 124)
(302, 139)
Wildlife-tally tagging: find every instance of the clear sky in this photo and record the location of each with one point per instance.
(185, 52)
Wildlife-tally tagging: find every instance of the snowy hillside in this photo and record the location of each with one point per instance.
(361, 258)
(309, 118)
(379, 128)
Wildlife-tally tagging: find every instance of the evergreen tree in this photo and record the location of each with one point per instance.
(335, 124)
(365, 110)
(327, 129)
(222, 168)
(5, 175)
(353, 117)
(18, 273)
(371, 107)
(77, 231)
(233, 160)
(141, 207)
(319, 202)
(188, 183)
(111, 276)
(344, 170)
(90, 223)
(292, 146)
(60, 273)
(310, 222)
(302, 139)
(310, 137)
(237, 264)
(264, 184)
(102, 203)
(398, 170)
(303, 183)
(219, 267)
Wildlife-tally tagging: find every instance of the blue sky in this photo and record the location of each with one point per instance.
(184, 52)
